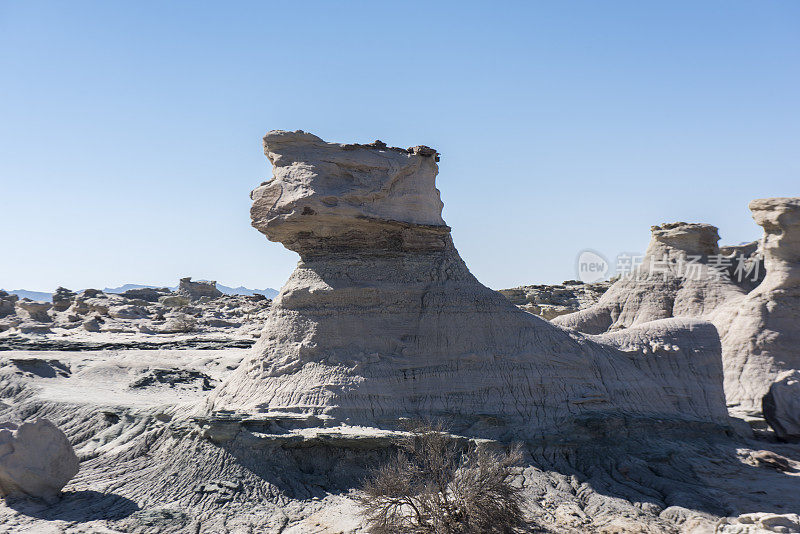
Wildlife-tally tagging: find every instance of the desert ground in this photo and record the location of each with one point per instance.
(663, 401)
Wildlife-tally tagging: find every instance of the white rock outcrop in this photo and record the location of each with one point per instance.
(758, 523)
(34, 311)
(760, 333)
(675, 279)
(199, 289)
(550, 301)
(781, 405)
(382, 320)
(36, 460)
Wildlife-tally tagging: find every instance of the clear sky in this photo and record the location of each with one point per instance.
(130, 132)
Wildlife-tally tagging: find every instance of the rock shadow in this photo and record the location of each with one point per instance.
(713, 474)
(78, 506)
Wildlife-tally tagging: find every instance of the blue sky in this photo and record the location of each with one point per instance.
(130, 133)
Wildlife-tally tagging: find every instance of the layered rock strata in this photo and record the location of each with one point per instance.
(382, 320)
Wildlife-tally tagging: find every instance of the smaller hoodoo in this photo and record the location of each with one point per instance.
(760, 334)
(677, 278)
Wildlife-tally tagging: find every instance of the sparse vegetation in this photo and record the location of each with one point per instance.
(437, 485)
(183, 323)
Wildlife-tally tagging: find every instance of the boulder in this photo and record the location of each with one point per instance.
(174, 301)
(759, 331)
(33, 327)
(36, 460)
(381, 320)
(781, 406)
(180, 323)
(91, 301)
(759, 523)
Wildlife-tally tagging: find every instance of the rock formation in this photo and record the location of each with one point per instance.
(627, 430)
(550, 301)
(749, 258)
(7, 304)
(34, 311)
(148, 294)
(198, 290)
(36, 459)
(759, 523)
(760, 334)
(62, 299)
(678, 277)
(781, 405)
(382, 319)
(93, 319)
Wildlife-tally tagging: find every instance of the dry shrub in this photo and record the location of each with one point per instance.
(437, 485)
(182, 323)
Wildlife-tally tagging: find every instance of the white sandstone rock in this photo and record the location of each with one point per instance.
(345, 193)
(781, 405)
(199, 289)
(675, 279)
(760, 523)
(759, 331)
(34, 311)
(383, 320)
(550, 301)
(36, 459)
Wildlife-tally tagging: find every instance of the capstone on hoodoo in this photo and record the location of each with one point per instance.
(382, 320)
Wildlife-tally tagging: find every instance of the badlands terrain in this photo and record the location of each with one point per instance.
(667, 400)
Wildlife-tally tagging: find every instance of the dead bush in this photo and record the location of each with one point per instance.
(437, 485)
(182, 323)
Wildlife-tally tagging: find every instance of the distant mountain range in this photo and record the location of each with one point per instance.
(33, 295)
(241, 290)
